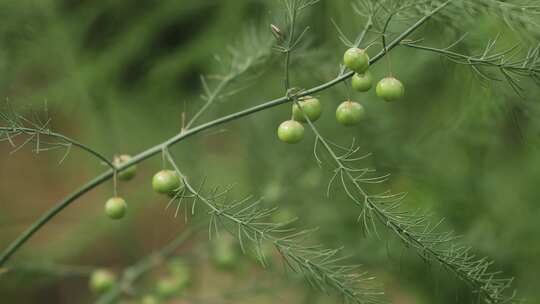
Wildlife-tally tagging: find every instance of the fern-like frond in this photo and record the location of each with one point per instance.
(36, 131)
(512, 64)
(253, 50)
(415, 229)
(251, 224)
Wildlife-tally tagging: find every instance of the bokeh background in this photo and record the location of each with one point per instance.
(117, 76)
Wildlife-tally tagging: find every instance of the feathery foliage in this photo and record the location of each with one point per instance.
(509, 62)
(37, 131)
(415, 229)
(251, 224)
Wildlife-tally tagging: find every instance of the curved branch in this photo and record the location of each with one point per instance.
(46, 132)
(19, 241)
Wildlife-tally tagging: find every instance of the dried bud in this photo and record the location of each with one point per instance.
(276, 32)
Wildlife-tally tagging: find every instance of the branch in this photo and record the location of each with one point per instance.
(21, 239)
(52, 269)
(14, 127)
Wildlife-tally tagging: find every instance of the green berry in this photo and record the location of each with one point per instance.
(180, 270)
(350, 113)
(128, 173)
(168, 287)
(390, 89)
(362, 82)
(290, 131)
(224, 253)
(101, 280)
(115, 208)
(177, 266)
(149, 299)
(356, 59)
(166, 182)
(309, 106)
(225, 259)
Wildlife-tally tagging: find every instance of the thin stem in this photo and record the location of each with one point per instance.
(21, 239)
(289, 46)
(163, 162)
(359, 40)
(54, 269)
(210, 99)
(115, 183)
(470, 60)
(32, 131)
(386, 25)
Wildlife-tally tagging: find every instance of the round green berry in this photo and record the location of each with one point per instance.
(115, 208)
(362, 82)
(350, 113)
(290, 131)
(224, 253)
(390, 89)
(128, 173)
(225, 259)
(309, 106)
(168, 287)
(356, 59)
(101, 280)
(166, 182)
(180, 270)
(149, 299)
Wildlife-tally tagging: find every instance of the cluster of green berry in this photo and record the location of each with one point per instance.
(357, 60)
(176, 280)
(172, 284)
(348, 113)
(164, 182)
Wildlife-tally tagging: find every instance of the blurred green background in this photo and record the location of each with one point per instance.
(117, 75)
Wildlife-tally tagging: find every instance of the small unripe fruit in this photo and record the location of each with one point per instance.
(390, 89)
(149, 299)
(309, 106)
(350, 113)
(180, 270)
(362, 82)
(166, 182)
(290, 131)
(168, 287)
(356, 59)
(115, 208)
(130, 172)
(101, 280)
(224, 253)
